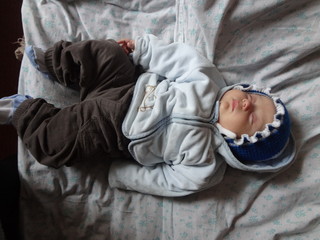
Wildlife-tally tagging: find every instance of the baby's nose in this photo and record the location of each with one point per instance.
(246, 104)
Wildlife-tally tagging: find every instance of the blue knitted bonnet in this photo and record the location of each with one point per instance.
(264, 145)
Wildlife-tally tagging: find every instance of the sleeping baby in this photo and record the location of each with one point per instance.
(162, 113)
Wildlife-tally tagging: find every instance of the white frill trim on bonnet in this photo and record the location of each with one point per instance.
(280, 111)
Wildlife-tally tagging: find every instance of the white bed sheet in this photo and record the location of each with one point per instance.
(274, 43)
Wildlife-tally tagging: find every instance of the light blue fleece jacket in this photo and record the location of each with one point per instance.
(177, 148)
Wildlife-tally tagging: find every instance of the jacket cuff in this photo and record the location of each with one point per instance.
(48, 56)
(24, 106)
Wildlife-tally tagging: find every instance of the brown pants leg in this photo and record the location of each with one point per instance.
(92, 128)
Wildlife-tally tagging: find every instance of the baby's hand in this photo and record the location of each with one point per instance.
(127, 45)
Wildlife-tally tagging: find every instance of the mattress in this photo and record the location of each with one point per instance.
(272, 43)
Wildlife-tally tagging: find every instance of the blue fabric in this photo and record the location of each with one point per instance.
(17, 99)
(31, 54)
(29, 51)
(172, 139)
(8, 106)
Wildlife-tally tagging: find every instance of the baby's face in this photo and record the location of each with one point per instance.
(245, 113)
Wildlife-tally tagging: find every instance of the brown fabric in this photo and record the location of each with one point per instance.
(92, 128)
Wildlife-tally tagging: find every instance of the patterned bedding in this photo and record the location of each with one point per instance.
(272, 43)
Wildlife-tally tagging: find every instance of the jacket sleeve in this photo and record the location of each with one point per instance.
(178, 163)
(163, 179)
(175, 61)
